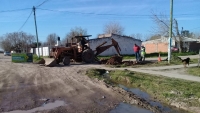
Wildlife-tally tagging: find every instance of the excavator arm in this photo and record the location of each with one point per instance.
(101, 48)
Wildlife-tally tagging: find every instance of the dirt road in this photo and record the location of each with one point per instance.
(27, 86)
(24, 86)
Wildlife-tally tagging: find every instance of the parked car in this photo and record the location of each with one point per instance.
(174, 49)
(6, 53)
(13, 52)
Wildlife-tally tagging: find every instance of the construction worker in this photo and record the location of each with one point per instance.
(136, 49)
(143, 53)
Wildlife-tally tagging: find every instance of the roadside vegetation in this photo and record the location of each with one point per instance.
(36, 59)
(194, 71)
(174, 61)
(168, 90)
(151, 55)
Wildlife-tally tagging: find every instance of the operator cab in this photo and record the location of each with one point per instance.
(82, 42)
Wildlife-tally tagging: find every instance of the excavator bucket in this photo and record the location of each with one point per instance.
(50, 62)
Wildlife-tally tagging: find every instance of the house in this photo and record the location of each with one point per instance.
(125, 43)
(161, 44)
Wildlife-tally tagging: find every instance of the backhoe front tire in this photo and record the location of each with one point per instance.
(66, 60)
(88, 56)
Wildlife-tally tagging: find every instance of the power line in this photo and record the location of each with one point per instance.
(42, 3)
(25, 21)
(15, 10)
(111, 14)
(90, 13)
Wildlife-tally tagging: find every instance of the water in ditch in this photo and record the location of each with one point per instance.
(127, 108)
(147, 97)
(47, 106)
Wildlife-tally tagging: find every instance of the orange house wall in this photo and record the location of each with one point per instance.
(153, 48)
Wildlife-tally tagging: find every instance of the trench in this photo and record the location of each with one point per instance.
(129, 108)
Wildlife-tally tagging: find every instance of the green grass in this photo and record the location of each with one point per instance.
(194, 71)
(162, 88)
(162, 54)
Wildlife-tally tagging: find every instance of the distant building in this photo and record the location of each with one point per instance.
(125, 43)
(161, 44)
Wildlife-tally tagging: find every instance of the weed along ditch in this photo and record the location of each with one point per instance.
(148, 93)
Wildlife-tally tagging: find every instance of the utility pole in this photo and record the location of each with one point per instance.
(170, 31)
(23, 43)
(199, 58)
(36, 32)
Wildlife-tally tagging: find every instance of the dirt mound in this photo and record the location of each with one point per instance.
(117, 60)
(128, 63)
(41, 61)
(114, 60)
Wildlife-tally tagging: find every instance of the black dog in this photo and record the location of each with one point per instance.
(186, 61)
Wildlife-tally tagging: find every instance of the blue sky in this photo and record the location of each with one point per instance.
(59, 16)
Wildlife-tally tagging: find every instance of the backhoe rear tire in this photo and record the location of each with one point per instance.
(66, 60)
(88, 56)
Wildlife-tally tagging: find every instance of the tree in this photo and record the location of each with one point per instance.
(34, 44)
(113, 27)
(51, 39)
(155, 36)
(162, 28)
(18, 41)
(77, 31)
(5, 44)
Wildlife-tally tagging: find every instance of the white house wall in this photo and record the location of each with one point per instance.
(44, 51)
(125, 43)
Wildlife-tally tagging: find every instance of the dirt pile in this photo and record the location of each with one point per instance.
(41, 61)
(128, 63)
(114, 60)
(117, 60)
